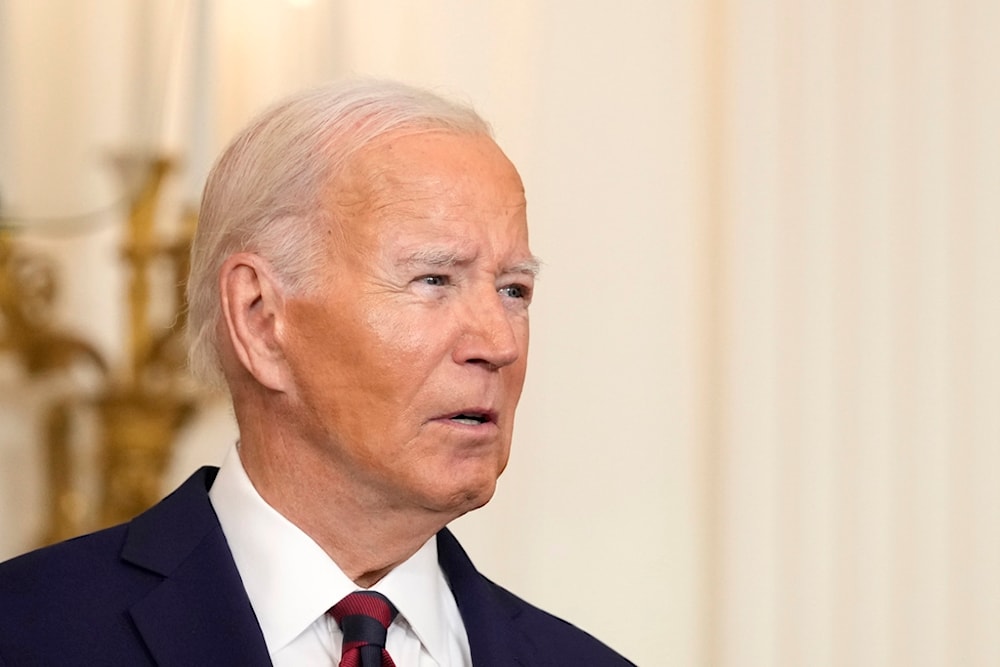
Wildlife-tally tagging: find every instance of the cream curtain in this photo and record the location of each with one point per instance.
(855, 430)
(762, 418)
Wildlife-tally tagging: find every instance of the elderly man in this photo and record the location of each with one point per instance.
(360, 280)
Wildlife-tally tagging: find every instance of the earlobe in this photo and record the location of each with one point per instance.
(253, 313)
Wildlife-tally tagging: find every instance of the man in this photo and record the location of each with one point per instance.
(361, 280)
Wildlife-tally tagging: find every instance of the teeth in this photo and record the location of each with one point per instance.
(467, 419)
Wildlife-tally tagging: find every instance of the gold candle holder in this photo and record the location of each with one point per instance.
(141, 406)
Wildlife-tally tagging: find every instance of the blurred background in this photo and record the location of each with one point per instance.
(761, 425)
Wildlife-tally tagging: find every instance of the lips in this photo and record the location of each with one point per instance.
(469, 417)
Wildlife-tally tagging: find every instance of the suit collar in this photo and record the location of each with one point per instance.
(199, 613)
(489, 615)
(161, 538)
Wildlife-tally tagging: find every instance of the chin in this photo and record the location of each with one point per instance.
(455, 487)
(468, 498)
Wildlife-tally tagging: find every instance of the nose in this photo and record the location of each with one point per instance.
(490, 334)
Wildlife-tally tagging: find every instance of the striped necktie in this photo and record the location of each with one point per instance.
(364, 617)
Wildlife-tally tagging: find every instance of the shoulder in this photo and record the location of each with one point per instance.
(567, 643)
(77, 588)
(83, 587)
(504, 629)
(92, 562)
(34, 573)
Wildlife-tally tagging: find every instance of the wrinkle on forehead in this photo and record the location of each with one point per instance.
(375, 182)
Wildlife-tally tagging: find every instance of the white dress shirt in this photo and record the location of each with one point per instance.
(292, 582)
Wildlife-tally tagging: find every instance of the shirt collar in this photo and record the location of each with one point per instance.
(291, 582)
(416, 587)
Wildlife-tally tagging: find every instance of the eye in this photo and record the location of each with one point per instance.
(515, 291)
(434, 280)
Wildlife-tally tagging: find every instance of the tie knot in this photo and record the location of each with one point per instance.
(364, 603)
(364, 618)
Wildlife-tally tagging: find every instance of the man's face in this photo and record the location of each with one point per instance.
(409, 361)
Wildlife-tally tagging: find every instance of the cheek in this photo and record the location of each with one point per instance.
(393, 331)
(333, 355)
(396, 354)
(523, 337)
(412, 334)
(515, 383)
(519, 371)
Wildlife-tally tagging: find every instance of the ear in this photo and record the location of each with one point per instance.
(253, 309)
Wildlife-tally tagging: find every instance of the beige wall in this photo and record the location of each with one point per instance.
(762, 406)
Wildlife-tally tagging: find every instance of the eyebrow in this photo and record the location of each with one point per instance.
(531, 266)
(444, 257)
(437, 257)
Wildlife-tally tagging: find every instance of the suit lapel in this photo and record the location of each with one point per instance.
(489, 618)
(199, 613)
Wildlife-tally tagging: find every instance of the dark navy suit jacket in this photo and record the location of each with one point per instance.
(163, 590)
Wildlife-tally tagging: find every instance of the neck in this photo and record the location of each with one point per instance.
(364, 537)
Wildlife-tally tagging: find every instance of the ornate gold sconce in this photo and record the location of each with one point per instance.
(142, 402)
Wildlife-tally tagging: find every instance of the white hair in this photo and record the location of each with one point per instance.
(265, 192)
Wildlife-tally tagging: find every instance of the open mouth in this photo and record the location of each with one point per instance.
(471, 418)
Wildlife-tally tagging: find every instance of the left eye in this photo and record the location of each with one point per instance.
(434, 280)
(514, 291)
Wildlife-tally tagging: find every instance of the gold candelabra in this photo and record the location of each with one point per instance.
(142, 402)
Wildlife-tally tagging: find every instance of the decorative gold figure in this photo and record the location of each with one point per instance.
(142, 404)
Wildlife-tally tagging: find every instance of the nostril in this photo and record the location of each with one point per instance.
(491, 345)
(489, 365)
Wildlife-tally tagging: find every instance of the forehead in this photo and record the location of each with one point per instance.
(428, 167)
(436, 183)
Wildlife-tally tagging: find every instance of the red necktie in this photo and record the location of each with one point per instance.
(364, 617)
